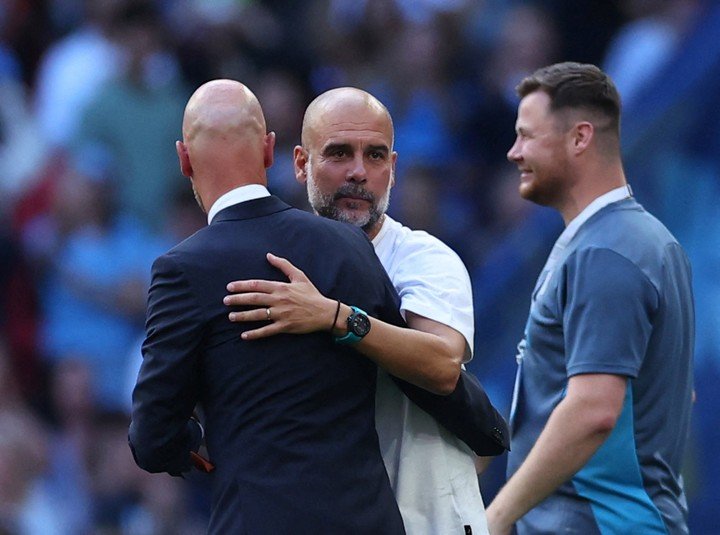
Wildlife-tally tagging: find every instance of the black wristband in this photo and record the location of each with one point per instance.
(337, 313)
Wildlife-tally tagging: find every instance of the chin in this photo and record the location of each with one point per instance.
(354, 218)
(533, 194)
(526, 191)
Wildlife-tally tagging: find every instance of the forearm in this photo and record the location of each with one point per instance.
(560, 451)
(421, 358)
(162, 433)
(167, 388)
(428, 354)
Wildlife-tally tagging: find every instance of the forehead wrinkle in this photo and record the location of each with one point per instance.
(352, 133)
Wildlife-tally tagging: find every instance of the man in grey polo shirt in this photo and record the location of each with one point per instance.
(602, 400)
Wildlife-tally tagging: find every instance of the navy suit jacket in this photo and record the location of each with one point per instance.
(289, 419)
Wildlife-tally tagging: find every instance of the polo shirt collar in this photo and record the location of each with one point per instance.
(615, 195)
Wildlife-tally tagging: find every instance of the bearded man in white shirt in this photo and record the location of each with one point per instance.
(348, 164)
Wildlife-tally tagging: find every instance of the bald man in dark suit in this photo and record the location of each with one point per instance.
(289, 420)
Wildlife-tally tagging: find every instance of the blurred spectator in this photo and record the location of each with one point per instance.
(127, 500)
(18, 312)
(347, 39)
(114, 478)
(22, 152)
(98, 271)
(74, 68)
(22, 155)
(74, 412)
(21, 149)
(137, 116)
(214, 49)
(527, 40)
(585, 28)
(24, 29)
(415, 92)
(642, 47)
(164, 508)
(284, 99)
(26, 507)
(417, 207)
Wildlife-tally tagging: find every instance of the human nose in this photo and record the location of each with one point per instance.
(513, 154)
(357, 172)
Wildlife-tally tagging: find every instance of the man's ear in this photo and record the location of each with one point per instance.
(300, 162)
(393, 159)
(582, 135)
(269, 150)
(182, 152)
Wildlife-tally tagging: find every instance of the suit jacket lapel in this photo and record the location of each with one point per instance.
(251, 209)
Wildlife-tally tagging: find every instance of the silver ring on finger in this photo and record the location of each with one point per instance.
(268, 314)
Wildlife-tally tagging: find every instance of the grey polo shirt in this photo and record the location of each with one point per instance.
(617, 299)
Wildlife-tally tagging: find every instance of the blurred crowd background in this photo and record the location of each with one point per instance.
(91, 101)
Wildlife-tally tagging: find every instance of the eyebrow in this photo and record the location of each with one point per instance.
(332, 147)
(347, 147)
(380, 148)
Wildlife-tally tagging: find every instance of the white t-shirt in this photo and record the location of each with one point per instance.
(431, 471)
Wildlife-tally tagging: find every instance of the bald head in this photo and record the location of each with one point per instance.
(225, 144)
(347, 105)
(223, 110)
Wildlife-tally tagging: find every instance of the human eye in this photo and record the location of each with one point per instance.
(377, 155)
(337, 152)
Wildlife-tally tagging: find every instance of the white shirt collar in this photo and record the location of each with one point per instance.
(236, 196)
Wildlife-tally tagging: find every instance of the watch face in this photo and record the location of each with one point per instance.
(359, 324)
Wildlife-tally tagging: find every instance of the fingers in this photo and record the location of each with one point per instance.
(259, 314)
(245, 299)
(291, 272)
(254, 285)
(262, 332)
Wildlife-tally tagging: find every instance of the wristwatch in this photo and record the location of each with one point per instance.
(358, 325)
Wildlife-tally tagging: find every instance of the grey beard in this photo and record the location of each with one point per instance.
(325, 204)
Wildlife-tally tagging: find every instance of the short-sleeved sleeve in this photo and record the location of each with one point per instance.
(433, 282)
(608, 308)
